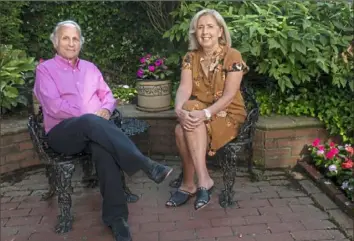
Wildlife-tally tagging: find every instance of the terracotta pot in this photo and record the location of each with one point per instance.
(153, 95)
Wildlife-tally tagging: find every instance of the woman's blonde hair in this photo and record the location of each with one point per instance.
(225, 38)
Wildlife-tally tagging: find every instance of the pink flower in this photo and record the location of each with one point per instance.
(142, 60)
(41, 60)
(158, 62)
(321, 147)
(332, 144)
(316, 142)
(330, 154)
(320, 152)
(148, 56)
(151, 68)
(350, 150)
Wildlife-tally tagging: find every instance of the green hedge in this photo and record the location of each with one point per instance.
(116, 33)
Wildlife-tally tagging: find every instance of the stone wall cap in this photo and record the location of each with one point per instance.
(274, 122)
(277, 122)
(13, 126)
(130, 111)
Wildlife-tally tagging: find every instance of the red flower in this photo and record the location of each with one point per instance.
(348, 164)
(332, 144)
(41, 60)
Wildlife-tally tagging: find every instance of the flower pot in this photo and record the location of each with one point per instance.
(153, 95)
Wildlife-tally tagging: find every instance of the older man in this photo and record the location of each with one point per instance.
(77, 104)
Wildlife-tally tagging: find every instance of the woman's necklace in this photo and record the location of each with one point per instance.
(208, 59)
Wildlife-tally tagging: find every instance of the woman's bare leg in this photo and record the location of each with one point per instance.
(197, 141)
(187, 162)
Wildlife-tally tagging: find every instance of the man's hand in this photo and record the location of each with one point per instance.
(104, 113)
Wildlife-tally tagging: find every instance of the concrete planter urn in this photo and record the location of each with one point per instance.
(153, 86)
(154, 95)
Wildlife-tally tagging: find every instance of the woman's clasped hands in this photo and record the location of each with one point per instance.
(190, 120)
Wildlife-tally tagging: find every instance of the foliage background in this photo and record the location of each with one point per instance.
(292, 47)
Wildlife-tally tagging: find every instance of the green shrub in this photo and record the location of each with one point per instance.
(114, 33)
(292, 42)
(16, 74)
(124, 93)
(10, 23)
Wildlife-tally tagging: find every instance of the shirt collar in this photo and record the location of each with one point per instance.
(66, 63)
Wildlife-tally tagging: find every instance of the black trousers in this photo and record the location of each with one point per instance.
(110, 148)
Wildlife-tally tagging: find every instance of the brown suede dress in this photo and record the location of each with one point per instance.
(223, 127)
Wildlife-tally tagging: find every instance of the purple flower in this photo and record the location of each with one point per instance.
(151, 68)
(142, 60)
(158, 62)
(332, 168)
(140, 73)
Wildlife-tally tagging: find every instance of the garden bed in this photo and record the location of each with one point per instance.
(330, 166)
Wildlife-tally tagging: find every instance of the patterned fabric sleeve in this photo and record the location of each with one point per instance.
(187, 61)
(234, 62)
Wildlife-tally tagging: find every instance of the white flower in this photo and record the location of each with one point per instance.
(332, 168)
(320, 152)
(345, 185)
(126, 86)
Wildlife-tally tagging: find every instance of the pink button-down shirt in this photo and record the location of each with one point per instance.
(65, 91)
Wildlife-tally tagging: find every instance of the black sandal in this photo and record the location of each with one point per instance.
(203, 197)
(179, 198)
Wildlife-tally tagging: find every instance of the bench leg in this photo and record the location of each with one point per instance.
(176, 183)
(50, 174)
(229, 167)
(90, 179)
(131, 198)
(64, 174)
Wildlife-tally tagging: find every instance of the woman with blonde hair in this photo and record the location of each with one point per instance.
(209, 104)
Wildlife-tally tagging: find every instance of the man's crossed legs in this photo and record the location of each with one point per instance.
(111, 149)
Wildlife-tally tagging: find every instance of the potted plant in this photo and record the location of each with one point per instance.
(154, 90)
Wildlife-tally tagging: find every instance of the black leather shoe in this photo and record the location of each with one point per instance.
(158, 172)
(120, 229)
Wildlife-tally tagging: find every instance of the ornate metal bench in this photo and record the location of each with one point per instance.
(60, 168)
(240, 148)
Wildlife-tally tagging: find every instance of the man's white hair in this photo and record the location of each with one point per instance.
(225, 38)
(54, 35)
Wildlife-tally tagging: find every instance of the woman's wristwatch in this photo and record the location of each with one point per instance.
(207, 114)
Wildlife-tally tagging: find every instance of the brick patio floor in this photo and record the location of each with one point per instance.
(272, 210)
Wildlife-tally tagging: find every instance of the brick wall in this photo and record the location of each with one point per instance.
(16, 152)
(273, 147)
(282, 148)
(160, 139)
